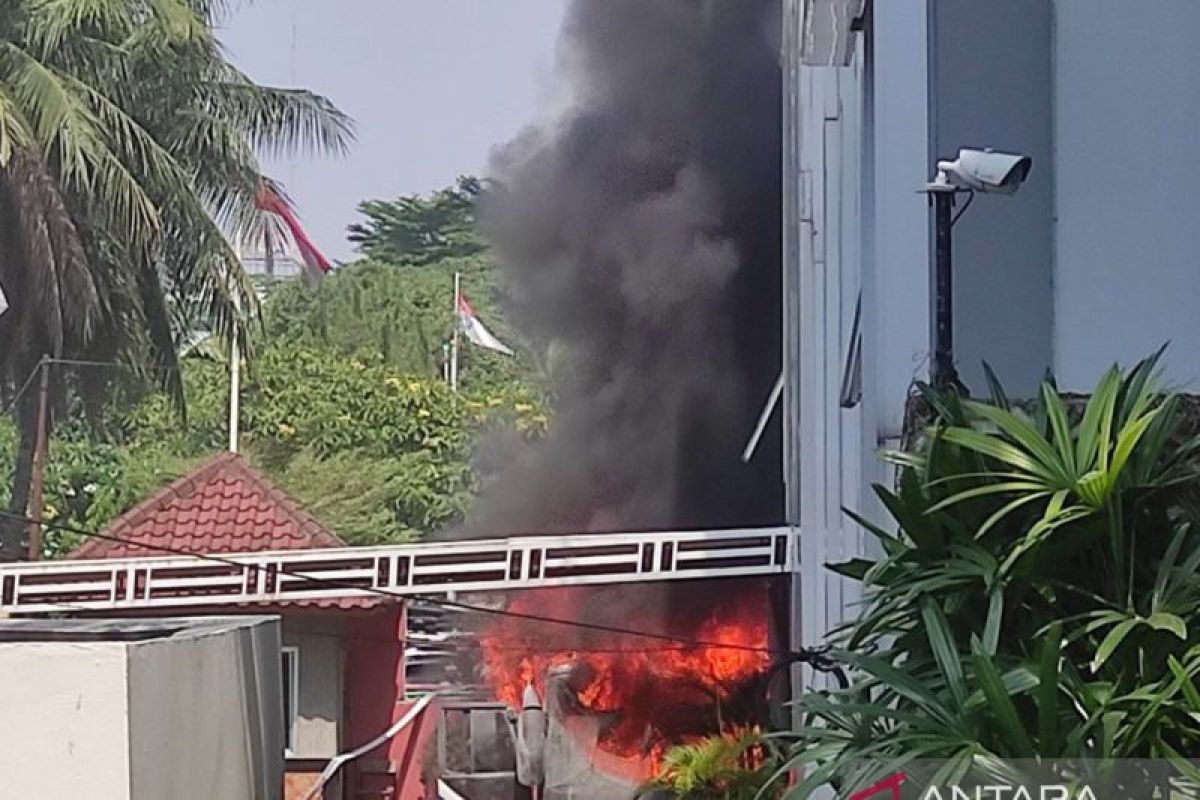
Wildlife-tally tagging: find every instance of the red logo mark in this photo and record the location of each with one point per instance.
(891, 783)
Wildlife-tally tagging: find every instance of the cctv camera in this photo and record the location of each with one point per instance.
(985, 171)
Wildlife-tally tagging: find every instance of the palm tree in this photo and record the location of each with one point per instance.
(129, 146)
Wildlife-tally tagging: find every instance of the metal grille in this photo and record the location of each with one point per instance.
(403, 570)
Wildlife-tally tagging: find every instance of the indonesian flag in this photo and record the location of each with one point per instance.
(475, 331)
(315, 264)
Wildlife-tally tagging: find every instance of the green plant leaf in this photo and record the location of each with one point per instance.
(856, 568)
(995, 616)
(1002, 451)
(1185, 683)
(1060, 429)
(1008, 487)
(1094, 428)
(1112, 641)
(1034, 443)
(1162, 621)
(941, 641)
(1046, 695)
(995, 388)
(1000, 703)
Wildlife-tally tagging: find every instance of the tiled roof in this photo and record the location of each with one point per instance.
(222, 506)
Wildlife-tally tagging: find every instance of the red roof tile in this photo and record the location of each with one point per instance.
(222, 506)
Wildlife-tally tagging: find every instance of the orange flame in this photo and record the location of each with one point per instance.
(658, 692)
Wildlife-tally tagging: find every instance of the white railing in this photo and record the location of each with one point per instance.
(401, 570)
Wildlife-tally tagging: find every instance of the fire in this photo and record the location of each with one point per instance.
(650, 693)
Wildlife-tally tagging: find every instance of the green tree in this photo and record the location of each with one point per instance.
(126, 141)
(417, 231)
(404, 317)
(379, 454)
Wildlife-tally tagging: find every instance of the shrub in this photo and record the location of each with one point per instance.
(1038, 598)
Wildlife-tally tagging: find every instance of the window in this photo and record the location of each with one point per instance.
(290, 664)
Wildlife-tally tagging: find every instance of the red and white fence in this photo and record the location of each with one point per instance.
(401, 570)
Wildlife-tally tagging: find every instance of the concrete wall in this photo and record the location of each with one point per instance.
(141, 709)
(1127, 262)
(856, 151)
(65, 729)
(896, 282)
(1096, 259)
(318, 640)
(992, 87)
(197, 711)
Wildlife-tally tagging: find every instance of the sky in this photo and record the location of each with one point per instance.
(432, 86)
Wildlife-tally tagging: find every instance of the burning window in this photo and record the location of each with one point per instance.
(632, 697)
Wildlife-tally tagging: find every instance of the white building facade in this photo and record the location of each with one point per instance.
(1095, 260)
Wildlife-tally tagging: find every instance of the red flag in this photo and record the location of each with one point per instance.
(473, 327)
(315, 264)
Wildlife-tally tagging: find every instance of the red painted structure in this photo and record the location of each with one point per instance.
(226, 506)
(375, 669)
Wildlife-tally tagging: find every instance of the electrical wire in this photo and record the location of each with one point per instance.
(16, 398)
(75, 362)
(79, 362)
(815, 657)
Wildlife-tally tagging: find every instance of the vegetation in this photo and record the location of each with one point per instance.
(1040, 597)
(418, 231)
(379, 454)
(128, 146)
(718, 768)
(344, 405)
(402, 317)
(127, 141)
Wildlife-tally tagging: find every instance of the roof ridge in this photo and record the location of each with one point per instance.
(186, 485)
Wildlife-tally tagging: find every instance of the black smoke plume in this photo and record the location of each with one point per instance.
(640, 234)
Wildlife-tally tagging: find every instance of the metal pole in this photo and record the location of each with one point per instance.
(235, 368)
(38, 479)
(268, 252)
(235, 391)
(943, 373)
(454, 339)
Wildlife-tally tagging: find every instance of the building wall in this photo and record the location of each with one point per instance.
(856, 150)
(203, 716)
(66, 725)
(375, 700)
(1127, 261)
(895, 219)
(141, 710)
(991, 86)
(320, 707)
(860, 140)
(1094, 260)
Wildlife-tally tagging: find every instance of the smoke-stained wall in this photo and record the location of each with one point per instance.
(640, 233)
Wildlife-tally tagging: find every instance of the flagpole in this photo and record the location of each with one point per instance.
(454, 337)
(235, 366)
